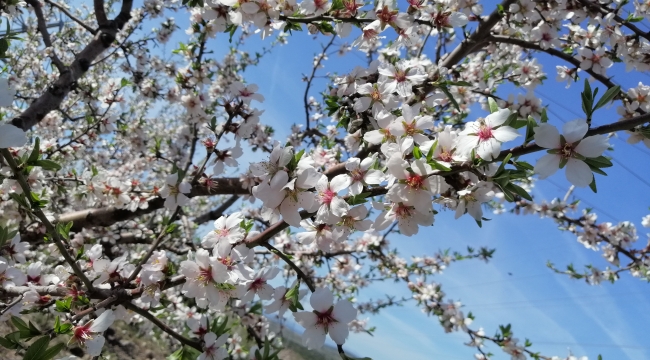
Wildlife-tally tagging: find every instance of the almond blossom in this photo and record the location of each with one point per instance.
(570, 149)
(174, 192)
(332, 206)
(486, 135)
(90, 334)
(361, 174)
(213, 347)
(258, 285)
(326, 318)
(401, 77)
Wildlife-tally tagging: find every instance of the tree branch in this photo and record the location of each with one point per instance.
(42, 28)
(57, 92)
(149, 316)
(72, 17)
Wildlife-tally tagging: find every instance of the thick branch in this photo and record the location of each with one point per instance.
(41, 216)
(110, 215)
(57, 92)
(468, 45)
(100, 13)
(620, 20)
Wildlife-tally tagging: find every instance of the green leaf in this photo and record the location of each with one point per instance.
(48, 165)
(451, 97)
(19, 323)
(544, 116)
(599, 162)
(493, 105)
(520, 191)
(607, 97)
(52, 352)
(37, 348)
(358, 199)
(592, 186)
(8, 343)
(417, 153)
(438, 166)
(432, 149)
(33, 157)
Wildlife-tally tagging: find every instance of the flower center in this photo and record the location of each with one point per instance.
(400, 75)
(403, 211)
(484, 133)
(205, 275)
(414, 181)
(357, 174)
(566, 151)
(257, 284)
(83, 332)
(445, 156)
(327, 196)
(325, 319)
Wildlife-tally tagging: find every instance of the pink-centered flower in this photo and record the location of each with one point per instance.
(569, 149)
(332, 206)
(326, 318)
(486, 135)
(90, 334)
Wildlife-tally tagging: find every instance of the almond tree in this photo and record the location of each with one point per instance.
(113, 153)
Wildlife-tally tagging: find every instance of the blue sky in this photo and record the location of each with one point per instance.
(556, 313)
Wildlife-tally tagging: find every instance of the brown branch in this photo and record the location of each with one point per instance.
(149, 316)
(305, 99)
(467, 46)
(41, 216)
(216, 213)
(554, 52)
(299, 272)
(108, 216)
(627, 24)
(100, 13)
(74, 18)
(57, 91)
(42, 28)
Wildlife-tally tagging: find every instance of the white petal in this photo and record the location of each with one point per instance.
(339, 332)
(547, 165)
(321, 299)
(344, 311)
(103, 321)
(340, 182)
(578, 173)
(547, 136)
(314, 337)
(305, 318)
(339, 207)
(575, 130)
(497, 118)
(505, 134)
(592, 146)
(95, 345)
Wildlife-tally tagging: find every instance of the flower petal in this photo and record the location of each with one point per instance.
(547, 136)
(575, 130)
(578, 173)
(592, 146)
(547, 165)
